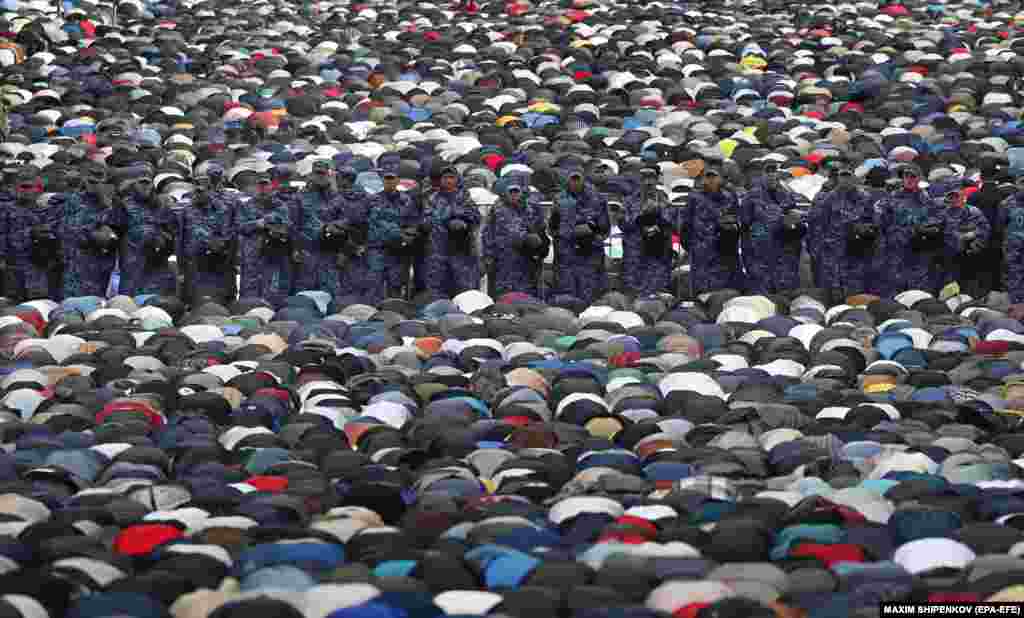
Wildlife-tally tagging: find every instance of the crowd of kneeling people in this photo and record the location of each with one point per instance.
(861, 235)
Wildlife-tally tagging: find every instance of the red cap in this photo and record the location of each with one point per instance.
(493, 161)
(992, 348)
(144, 538)
(273, 484)
(689, 611)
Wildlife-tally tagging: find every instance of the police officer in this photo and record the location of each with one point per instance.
(917, 236)
(971, 231)
(87, 236)
(265, 243)
(514, 242)
(321, 232)
(452, 262)
(391, 246)
(353, 261)
(207, 241)
(713, 227)
(647, 238)
(1011, 220)
(579, 222)
(148, 231)
(772, 234)
(416, 225)
(843, 236)
(31, 244)
(988, 195)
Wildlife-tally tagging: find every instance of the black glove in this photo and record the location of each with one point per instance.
(298, 257)
(41, 231)
(105, 197)
(104, 239)
(583, 232)
(333, 230)
(793, 228)
(333, 236)
(277, 236)
(216, 247)
(971, 244)
(864, 233)
(410, 235)
(729, 229)
(861, 238)
(926, 237)
(648, 211)
(533, 242)
(651, 232)
(459, 238)
(159, 247)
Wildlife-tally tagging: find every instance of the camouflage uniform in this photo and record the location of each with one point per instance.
(87, 268)
(910, 266)
(1012, 219)
(29, 273)
(842, 264)
(452, 267)
(972, 230)
(714, 263)
(356, 277)
(413, 216)
(206, 240)
(504, 240)
(143, 226)
(266, 270)
(318, 269)
(386, 255)
(647, 243)
(580, 265)
(771, 264)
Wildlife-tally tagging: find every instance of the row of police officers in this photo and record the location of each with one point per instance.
(335, 237)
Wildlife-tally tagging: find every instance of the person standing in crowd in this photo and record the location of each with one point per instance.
(1011, 220)
(988, 195)
(514, 243)
(87, 237)
(773, 234)
(390, 246)
(647, 238)
(843, 235)
(453, 265)
(971, 231)
(31, 244)
(148, 235)
(415, 219)
(712, 222)
(265, 243)
(321, 233)
(917, 236)
(207, 241)
(579, 224)
(353, 262)
(219, 192)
